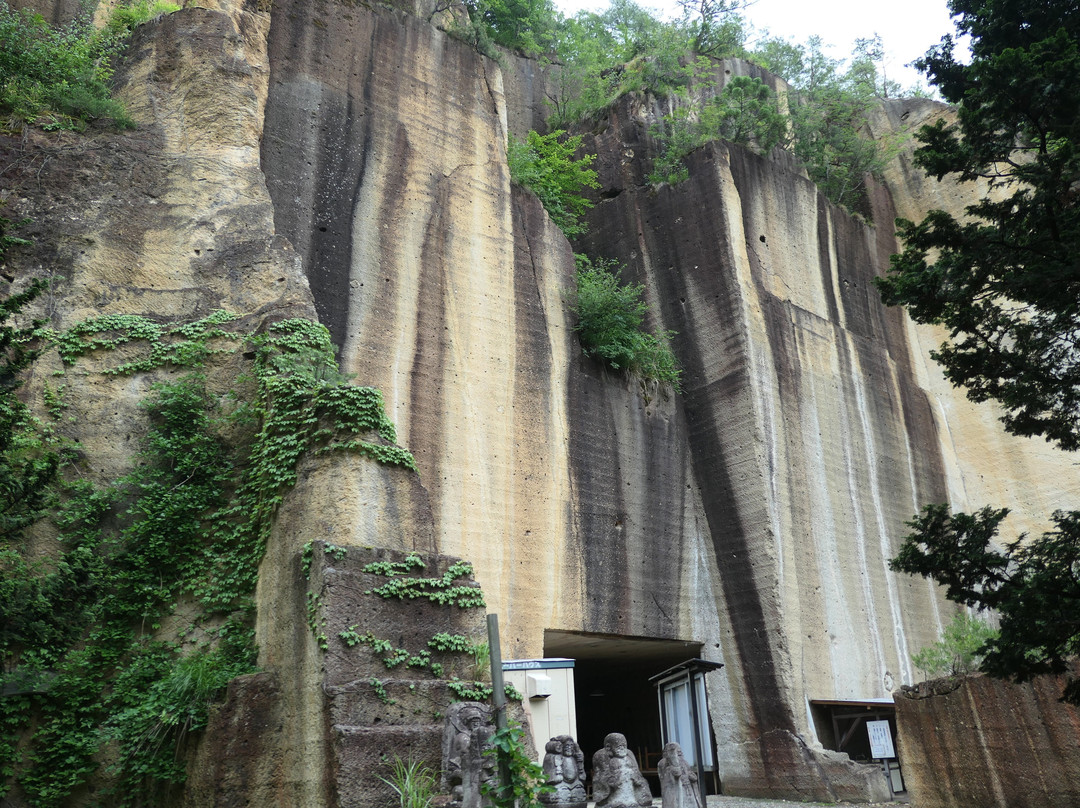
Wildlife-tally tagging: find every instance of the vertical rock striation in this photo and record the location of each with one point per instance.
(977, 742)
(344, 162)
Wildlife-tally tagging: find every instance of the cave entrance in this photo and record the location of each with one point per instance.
(613, 692)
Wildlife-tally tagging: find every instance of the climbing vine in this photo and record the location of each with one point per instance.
(85, 667)
(442, 590)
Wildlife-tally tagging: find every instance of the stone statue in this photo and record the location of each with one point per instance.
(678, 782)
(564, 767)
(466, 738)
(617, 781)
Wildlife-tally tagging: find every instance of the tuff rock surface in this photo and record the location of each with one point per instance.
(348, 163)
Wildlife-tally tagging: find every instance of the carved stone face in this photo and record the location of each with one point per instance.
(616, 744)
(472, 721)
(568, 748)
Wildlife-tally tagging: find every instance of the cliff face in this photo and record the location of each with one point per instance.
(756, 513)
(360, 154)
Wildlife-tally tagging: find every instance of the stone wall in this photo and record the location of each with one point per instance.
(978, 742)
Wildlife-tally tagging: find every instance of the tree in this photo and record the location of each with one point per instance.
(714, 26)
(1033, 585)
(745, 112)
(828, 108)
(1005, 281)
(960, 649)
(525, 25)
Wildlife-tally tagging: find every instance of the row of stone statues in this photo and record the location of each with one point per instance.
(617, 780)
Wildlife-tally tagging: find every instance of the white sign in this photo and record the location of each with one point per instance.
(880, 740)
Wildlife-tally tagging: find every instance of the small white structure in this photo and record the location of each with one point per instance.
(548, 688)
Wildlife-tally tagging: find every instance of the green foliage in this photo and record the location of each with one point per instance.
(395, 657)
(415, 783)
(56, 77)
(380, 691)
(745, 112)
(186, 526)
(28, 459)
(527, 26)
(524, 780)
(182, 345)
(545, 164)
(392, 569)
(7, 241)
(1004, 279)
(125, 18)
(167, 701)
(713, 26)
(468, 691)
(828, 108)
(610, 320)
(959, 650)
(626, 49)
(1033, 584)
(443, 590)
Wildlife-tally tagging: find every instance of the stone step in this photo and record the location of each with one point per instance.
(364, 755)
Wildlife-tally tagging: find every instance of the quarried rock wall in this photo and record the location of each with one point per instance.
(978, 742)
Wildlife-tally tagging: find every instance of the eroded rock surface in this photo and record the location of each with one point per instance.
(988, 743)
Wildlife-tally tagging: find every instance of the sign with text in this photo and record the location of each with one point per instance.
(880, 739)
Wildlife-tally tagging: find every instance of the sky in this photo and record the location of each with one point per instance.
(908, 28)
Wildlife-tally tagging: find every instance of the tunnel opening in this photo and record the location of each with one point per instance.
(613, 691)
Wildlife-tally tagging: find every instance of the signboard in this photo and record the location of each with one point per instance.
(880, 740)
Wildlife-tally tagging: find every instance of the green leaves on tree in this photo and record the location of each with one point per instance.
(545, 164)
(960, 649)
(745, 113)
(1033, 584)
(1005, 280)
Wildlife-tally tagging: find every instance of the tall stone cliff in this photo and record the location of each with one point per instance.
(348, 163)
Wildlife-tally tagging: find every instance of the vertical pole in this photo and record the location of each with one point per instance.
(498, 695)
(694, 713)
(888, 778)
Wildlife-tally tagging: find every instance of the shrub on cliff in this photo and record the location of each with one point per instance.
(610, 324)
(58, 77)
(545, 164)
(960, 649)
(745, 112)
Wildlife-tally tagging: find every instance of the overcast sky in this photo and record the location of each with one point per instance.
(907, 27)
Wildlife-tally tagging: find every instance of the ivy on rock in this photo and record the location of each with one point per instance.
(86, 665)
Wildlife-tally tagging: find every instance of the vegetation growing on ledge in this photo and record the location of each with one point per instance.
(603, 56)
(610, 325)
(58, 77)
(960, 649)
(545, 164)
(83, 659)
